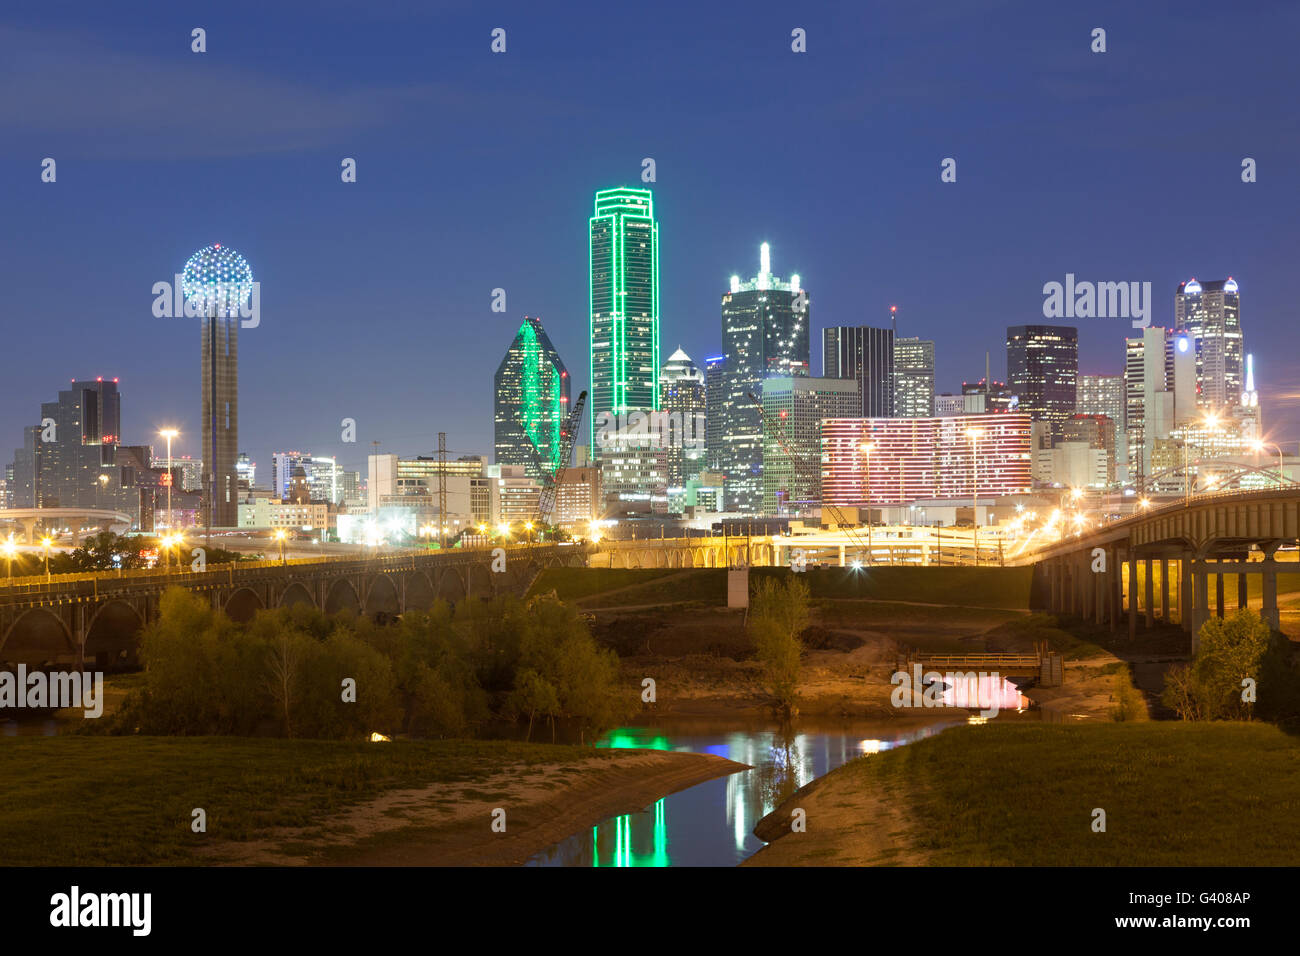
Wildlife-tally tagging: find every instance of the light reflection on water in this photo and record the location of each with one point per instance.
(712, 823)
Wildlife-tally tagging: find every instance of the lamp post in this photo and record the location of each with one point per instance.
(45, 545)
(280, 536)
(974, 434)
(866, 448)
(169, 434)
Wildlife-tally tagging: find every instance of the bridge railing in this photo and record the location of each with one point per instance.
(88, 581)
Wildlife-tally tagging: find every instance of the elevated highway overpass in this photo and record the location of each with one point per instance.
(1232, 533)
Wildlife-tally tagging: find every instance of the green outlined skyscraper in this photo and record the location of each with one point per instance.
(531, 400)
(623, 253)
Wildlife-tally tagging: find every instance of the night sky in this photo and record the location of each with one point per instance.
(476, 171)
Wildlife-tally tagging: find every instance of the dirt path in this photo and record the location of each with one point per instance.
(450, 824)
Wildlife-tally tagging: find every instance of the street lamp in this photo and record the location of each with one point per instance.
(280, 536)
(975, 434)
(867, 448)
(169, 434)
(1259, 446)
(45, 544)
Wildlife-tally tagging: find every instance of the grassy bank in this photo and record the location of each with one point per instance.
(1215, 794)
(78, 801)
(965, 587)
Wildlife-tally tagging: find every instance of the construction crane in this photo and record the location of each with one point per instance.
(551, 478)
(807, 472)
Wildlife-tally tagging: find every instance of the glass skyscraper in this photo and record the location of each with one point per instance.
(623, 250)
(913, 378)
(682, 397)
(866, 355)
(530, 401)
(1210, 313)
(765, 325)
(1043, 370)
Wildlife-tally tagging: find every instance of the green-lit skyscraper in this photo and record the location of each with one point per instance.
(531, 400)
(623, 249)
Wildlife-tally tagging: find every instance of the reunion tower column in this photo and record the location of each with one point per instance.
(217, 282)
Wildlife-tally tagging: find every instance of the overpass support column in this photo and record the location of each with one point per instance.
(29, 529)
(1099, 596)
(1186, 585)
(1114, 593)
(1200, 599)
(1269, 610)
(1132, 594)
(1149, 592)
(841, 555)
(1218, 590)
(1243, 599)
(1164, 590)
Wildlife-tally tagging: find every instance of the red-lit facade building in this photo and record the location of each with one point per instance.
(900, 460)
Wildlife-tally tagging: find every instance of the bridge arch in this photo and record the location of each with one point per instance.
(420, 593)
(341, 596)
(243, 604)
(451, 586)
(35, 637)
(480, 580)
(382, 597)
(113, 633)
(296, 593)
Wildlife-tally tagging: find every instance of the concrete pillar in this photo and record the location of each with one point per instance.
(1164, 590)
(1269, 611)
(1132, 596)
(1099, 596)
(1242, 599)
(1200, 599)
(1150, 594)
(841, 555)
(1218, 591)
(1112, 589)
(1185, 588)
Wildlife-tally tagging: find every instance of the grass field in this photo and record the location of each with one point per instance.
(1175, 794)
(82, 801)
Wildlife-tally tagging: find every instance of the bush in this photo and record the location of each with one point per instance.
(1231, 651)
(777, 616)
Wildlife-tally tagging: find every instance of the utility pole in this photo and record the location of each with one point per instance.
(442, 489)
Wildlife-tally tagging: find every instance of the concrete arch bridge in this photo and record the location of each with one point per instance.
(96, 618)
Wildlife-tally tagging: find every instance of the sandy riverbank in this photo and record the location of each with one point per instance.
(450, 824)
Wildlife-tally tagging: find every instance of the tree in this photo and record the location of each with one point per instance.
(777, 616)
(533, 695)
(106, 551)
(1231, 650)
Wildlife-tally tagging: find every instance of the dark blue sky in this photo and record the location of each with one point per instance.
(477, 171)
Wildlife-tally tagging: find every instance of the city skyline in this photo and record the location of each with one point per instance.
(324, 336)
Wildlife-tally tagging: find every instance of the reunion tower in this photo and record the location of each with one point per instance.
(216, 283)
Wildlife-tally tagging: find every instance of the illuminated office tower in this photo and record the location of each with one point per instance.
(1159, 394)
(682, 400)
(913, 378)
(623, 246)
(865, 354)
(765, 323)
(1042, 370)
(216, 283)
(1210, 314)
(714, 393)
(796, 406)
(530, 401)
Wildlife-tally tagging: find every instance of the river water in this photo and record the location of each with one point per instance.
(712, 823)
